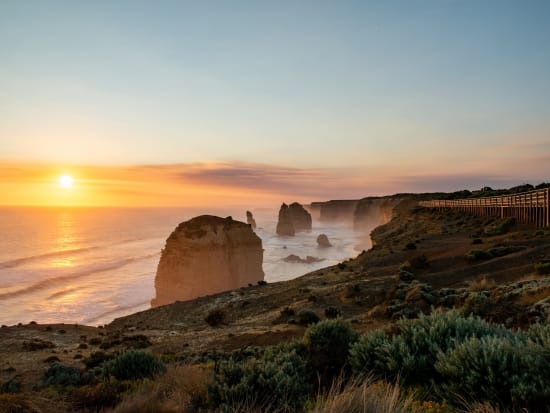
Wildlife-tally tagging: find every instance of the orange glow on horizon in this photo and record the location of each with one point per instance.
(148, 186)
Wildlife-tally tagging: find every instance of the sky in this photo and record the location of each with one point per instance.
(256, 102)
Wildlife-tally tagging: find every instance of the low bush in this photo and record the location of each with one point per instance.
(215, 317)
(368, 356)
(328, 344)
(306, 317)
(502, 370)
(500, 228)
(411, 354)
(332, 312)
(540, 334)
(133, 365)
(61, 374)
(478, 304)
(542, 268)
(273, 381)
(410, 246)
(477, 255)
(97, 358)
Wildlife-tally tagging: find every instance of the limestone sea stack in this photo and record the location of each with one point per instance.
(284, 225)
(323, 242)
(207, 255)
(250, 219)
(293, 218)
(301, 219)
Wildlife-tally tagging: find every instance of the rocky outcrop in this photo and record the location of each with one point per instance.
(336, 210)
(284, 224)
(250, 219)
(293, 218)
(295, 259)
(301, 219)
(374, 211)
(323, 242)
(207, 255)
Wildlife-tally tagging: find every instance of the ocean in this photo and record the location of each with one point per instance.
(91, 265)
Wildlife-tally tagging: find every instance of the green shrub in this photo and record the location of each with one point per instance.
(328, 344)
(274, 381)
(540, 334)
(502, 370)
(61, 374)
(542, 268)
(410, 246)
(477, 304)
(501, 227)
(96, 359)
(369, 354)
(215, 317)
(306, 317)
(477, 255)
(412, 353)
(406, 266)
(133, 365)
(419, 262)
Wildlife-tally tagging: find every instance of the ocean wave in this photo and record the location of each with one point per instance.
(64, 253)
(55, 254)
(53, 281)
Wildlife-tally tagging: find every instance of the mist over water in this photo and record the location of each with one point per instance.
(91, 265)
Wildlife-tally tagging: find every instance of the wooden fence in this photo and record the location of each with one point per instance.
(531, 207)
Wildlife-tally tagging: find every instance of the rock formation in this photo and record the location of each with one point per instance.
(336, 210)
(284, 225)
(207, 255)
(295, 259)
(250, 219)
(293, 218)
(301, 219)
(322, 241)
(374, 211)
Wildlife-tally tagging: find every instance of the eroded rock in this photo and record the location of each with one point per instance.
(207, 255)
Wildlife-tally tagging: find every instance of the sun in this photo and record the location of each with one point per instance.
(66, 181)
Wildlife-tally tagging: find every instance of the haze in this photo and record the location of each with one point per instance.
(190, 103)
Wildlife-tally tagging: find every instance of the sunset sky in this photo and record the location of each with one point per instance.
(256, 102)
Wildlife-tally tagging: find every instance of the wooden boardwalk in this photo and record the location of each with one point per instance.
(531, 207)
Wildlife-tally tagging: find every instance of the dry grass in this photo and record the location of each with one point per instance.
(176, 391)
(481, 284)
(364, 397)
(29, 403)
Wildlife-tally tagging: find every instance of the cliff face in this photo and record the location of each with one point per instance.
(336, 210)
(207, 255)
(371, 212)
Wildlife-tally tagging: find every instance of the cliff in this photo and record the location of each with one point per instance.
(335, 210)
(207, 255)
(373, 211)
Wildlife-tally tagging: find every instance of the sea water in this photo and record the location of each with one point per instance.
(91, 265)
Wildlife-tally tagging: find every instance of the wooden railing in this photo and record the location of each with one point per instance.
(531, 207)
